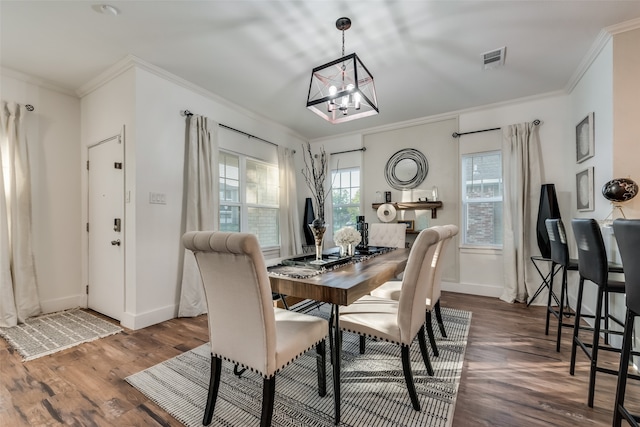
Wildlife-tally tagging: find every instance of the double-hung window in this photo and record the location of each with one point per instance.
(345, 197)
(249, 197)
(482, 191)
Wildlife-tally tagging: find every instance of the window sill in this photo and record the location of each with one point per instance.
(469, 249)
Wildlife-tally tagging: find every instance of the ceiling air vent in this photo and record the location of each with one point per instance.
(494, 58)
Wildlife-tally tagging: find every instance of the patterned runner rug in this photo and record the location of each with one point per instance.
(47, 334)
(374, 392)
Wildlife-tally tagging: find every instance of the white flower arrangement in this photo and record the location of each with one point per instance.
(347, 236)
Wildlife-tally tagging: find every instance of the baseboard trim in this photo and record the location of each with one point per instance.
(472, 289)
(142, 320)
(61, 304)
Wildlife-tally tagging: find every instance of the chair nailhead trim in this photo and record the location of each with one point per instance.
(372, 336)
(260, 373)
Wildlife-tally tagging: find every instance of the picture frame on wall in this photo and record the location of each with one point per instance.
(585, 144)
(409, 223)
(584, 190)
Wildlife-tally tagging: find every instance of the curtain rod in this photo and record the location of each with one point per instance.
(536, 122)
(189, 113)
(349, 151)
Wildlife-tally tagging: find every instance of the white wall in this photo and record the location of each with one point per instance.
(149, 102)
(53, 132)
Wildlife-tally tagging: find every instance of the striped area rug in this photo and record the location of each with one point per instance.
(373, 390)
(50, 333)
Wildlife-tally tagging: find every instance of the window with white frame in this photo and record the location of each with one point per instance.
(345, 197)
(482, 191)
(249, 197)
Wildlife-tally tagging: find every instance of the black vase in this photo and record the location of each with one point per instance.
(548, 208)
(308, 219)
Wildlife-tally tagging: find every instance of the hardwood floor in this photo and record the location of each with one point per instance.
(512, 375)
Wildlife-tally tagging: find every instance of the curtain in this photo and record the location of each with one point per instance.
(521, 172)
(290, 238)
(201, 209)
(18, 288)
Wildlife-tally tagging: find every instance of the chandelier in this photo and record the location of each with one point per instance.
(342, 90)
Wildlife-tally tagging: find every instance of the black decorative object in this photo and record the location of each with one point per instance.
(308, 219)
(406, 169)
(548, 208)
(620, 190)
(363, 229)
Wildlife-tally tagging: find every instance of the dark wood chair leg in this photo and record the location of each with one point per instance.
(408, 377)
(268, 395)
(432, 338)
(214, 385)
(439, 319)
(424, 352)
(321, 360)
(576, 328)
(331, 322)
(627, 338)
(363, 343)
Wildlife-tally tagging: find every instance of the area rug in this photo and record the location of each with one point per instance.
(374, 392)
(50, 333)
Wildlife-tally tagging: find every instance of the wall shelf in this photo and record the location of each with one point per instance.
(433, 206)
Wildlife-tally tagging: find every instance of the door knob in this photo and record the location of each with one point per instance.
(115, 242)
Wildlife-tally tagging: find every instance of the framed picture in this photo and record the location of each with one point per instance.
(584, 190)
(585, 145)
(408, 223)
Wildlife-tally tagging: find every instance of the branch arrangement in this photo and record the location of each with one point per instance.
(315, 175)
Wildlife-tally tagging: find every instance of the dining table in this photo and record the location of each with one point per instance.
(342, 286)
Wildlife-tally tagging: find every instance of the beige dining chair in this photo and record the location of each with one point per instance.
(391, 289)
(386, 234)
(399, 321)
(244, 327)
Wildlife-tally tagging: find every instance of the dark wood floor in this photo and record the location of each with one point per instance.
(512, 375)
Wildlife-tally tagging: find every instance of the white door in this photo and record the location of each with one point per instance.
(106, 227)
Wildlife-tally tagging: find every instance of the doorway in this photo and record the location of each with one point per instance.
(106, 237)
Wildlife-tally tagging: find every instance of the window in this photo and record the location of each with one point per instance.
(482, 198)
(345, 197)
(249, 197)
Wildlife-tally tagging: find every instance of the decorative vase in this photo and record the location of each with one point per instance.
(318, 228)
(350, 251)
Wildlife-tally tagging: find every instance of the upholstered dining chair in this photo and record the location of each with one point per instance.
(559, 256)
(593, 267)
(627, 232)
(244, 327)
(387, 234)
(391, 289)
(399, 321)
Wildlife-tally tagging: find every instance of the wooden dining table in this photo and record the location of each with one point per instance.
(340, 287)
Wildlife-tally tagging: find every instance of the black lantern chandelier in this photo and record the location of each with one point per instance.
(342, 90)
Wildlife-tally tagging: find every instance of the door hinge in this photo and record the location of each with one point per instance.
(87, 164)
(87, 227)
(117, 165)
(87, 289)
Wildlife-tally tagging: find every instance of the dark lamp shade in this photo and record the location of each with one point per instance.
(620, 190)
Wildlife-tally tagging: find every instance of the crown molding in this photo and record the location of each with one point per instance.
(601, 41)
(36, 81)
(131, 61)
(632, 24)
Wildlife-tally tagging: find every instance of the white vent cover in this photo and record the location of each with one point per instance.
(494, 58)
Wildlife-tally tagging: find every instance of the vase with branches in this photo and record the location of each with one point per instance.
(315, 174)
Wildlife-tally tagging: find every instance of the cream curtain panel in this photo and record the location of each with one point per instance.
(290, 238)
(201, 209)
(521, 172)
(18, 289)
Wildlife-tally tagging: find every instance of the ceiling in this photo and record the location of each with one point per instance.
(425, 56)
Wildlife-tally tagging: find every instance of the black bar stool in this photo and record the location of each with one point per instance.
(593, 266)
(627, 233)
(560, 257)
